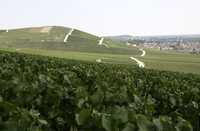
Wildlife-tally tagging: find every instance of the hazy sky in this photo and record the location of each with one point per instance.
(105, 17)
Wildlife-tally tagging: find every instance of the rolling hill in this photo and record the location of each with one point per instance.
(63, 42)
(52, 38)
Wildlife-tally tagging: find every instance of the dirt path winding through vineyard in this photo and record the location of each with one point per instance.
(140, 63)
(67, 35)
(101, 43)
(143, 52)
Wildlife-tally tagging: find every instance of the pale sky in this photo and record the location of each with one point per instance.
(105, 17)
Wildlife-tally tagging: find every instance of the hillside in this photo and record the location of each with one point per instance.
(57, 38)
(55, 41)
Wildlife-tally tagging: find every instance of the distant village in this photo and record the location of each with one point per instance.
(189, 45)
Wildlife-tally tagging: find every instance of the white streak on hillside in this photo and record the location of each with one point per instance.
(143, 52)
(67, 35)
(101, 43)
(140, 63)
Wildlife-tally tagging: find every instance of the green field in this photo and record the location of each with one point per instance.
(169, 61)
(84, 46)
(172, 61)
(82, 56)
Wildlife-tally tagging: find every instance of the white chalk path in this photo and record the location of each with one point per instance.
(67, 35)
(140, 63)
(101, 43)
(143, 52)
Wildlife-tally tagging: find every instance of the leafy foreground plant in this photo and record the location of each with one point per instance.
(46, 94)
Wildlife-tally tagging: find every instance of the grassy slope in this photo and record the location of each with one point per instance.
(80, 45)
(172, 61)
(56, 34)
(79, 41)
(106, 58)
(169, 61)
(84, 46)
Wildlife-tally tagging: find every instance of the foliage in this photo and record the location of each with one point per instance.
(47, 94)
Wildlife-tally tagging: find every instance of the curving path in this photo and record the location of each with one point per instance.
(143, 52)
(67, 35)
(140, 63)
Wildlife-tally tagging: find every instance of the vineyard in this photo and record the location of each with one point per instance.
(49, 94)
